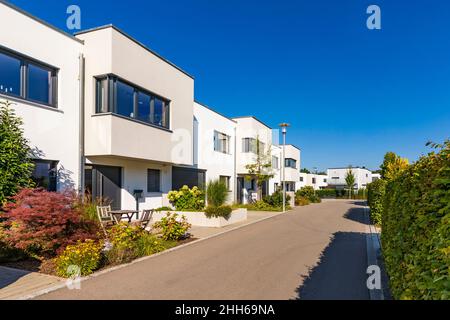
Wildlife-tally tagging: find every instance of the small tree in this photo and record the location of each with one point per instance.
(15, 162)
(261, 168)
(350, 181)
(216, 193)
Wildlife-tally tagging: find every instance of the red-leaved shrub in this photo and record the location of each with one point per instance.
(43, 223)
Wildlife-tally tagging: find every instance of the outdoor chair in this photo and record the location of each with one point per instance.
(146, 218)
(105, 217)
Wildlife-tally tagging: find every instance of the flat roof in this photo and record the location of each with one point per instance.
(209, 108)
(348, 168)
(135, 41)
(244, 117)
(293, 145)
(29, 15)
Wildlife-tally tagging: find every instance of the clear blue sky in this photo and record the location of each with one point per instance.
(350, 93)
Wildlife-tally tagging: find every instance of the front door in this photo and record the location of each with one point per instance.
(105, 184)
(240, 186)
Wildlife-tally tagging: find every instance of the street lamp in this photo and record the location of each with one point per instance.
(283, 131)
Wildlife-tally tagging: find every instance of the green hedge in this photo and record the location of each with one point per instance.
(416, 229)
(375, 196)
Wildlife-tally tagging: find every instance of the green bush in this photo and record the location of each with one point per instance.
(416, 228)
(187, 199)
(171, 227)
(276, 199)
(149, 244)
(165, 208)
(82, 258)
(301, 201)
(222, 211)
(308, 193)
(216, 193)
(326, 193)
(375, 196)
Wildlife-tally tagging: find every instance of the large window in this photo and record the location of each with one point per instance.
(290, 163)
(120, 97)
(27, 79)
(153, 180)
(225, 180)
(248, 145)
(221, 142)
(188, 176)
(275, 163)
(44, 174)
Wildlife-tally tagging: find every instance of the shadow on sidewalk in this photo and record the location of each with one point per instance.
(9, 276)
(341, 271)
(356, 214)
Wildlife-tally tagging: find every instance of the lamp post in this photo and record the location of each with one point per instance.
(283, 131)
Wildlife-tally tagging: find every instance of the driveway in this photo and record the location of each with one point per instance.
(312, 252)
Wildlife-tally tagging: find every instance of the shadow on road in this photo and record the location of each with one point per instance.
(356, 214)
(341, 271)
(361, 203)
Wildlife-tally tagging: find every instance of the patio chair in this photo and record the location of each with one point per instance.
(105, 217)
(146, 218)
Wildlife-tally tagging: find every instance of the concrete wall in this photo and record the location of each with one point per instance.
(53, 133)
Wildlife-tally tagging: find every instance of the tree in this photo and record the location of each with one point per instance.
(261, 168)
(393, 165)
(304, 170)
(388, 158)
(350, 181)
(16, 165)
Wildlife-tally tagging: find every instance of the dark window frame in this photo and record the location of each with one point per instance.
(290, 163)
(53, 180)
(111, 100)
(158, 188)
(25, 61)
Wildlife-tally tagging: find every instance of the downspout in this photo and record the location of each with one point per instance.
(81, 182)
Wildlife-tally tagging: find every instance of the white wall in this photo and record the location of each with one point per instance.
(306, 179)
(215, 163)
(54, 132)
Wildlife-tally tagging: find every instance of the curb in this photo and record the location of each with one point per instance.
(373, 245)
(99, 273)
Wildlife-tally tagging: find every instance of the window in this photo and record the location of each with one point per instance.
(221, 142)
(153, 180)
(188, 176)
(225, 180)
(335, 178)
(27, 79)
(290, 186)
(45, 174)
(275, 162)
(301, 179)
(313, 180)
(325, 180)
(290, 163)
(248, 145)
(120, 97)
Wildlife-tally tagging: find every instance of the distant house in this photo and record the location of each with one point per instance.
(317, 181)
(336, 177)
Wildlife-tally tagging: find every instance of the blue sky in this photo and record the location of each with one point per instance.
(349, 93)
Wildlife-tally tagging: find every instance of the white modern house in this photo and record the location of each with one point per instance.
(108, 116)
(317, 181)
(40, 74)
(215, 146)
(336, 177)
(376, 176)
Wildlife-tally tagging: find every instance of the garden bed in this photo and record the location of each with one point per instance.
(199, 218)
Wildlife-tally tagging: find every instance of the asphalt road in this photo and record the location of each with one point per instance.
(312, 252)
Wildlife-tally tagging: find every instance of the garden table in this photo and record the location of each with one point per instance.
(119, 214)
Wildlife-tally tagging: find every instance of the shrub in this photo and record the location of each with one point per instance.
(171, 227)
(124, 235)
(308, 192)
(326, 193)
(164, 208)
(43, 223)
(15, 165)
(416, 228)
(187, 199)
(149, 244)
(301, 201)
(222, 211)
(375, 196)
(216, 193)
(276, 199)
(261, 206)
(83, 257)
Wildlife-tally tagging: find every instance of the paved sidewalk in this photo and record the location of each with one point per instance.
(16, 284)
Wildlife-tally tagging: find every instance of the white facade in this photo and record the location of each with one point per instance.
(137, 130)
(214, 146)
(336, 177)
(52, 131)
(376, 176)
(317, 181)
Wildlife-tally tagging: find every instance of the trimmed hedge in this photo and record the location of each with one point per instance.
(375, 196)
(416, 229)
(221, 211)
